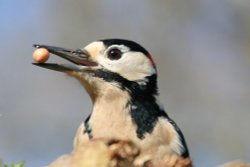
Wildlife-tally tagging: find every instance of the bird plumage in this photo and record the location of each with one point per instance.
(122, 83)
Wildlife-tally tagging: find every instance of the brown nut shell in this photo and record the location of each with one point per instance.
(41, 55)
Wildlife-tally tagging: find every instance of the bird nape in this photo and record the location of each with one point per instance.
(121, 78)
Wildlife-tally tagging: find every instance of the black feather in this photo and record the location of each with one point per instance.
(131, 44)
(87, 127)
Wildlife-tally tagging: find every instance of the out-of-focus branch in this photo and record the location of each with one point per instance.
(112, 153)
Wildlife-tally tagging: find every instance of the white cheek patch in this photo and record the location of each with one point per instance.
(132, 66)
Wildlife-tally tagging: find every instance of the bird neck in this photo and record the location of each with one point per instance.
(121, 103)
(110, 115)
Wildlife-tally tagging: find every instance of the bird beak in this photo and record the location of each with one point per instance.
(79, 58)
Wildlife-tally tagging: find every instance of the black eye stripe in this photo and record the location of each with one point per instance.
(114, 54)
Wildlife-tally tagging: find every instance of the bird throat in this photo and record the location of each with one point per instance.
(110, 116)
(123, 108)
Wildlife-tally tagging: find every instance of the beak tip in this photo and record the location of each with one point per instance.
(36, 45)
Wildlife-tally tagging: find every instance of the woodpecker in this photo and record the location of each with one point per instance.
(120, 77)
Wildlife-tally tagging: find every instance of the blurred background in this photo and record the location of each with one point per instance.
(201, 47)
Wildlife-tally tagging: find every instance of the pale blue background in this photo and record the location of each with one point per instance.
(201, 48)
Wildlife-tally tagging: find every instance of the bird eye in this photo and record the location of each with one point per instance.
(114, 54)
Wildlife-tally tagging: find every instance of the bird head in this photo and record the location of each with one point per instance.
(121, 63)
(124, 73)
